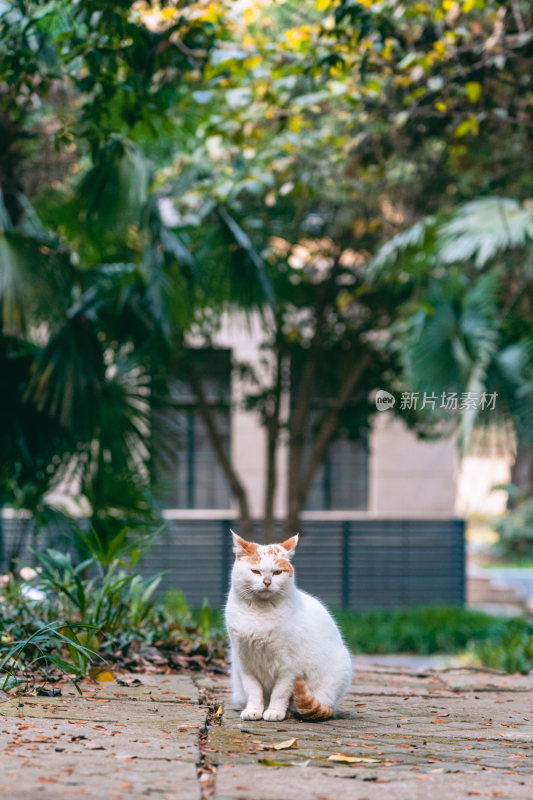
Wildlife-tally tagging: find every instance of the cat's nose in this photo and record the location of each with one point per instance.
(267, 581)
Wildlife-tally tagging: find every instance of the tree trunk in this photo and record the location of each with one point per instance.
(236, 485)
(271, 484)
(298, 493)
(272, 429)
(299, 420)
(522, 472)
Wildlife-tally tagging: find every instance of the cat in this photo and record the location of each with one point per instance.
(285, 646)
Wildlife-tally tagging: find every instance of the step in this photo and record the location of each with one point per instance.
(481, 589)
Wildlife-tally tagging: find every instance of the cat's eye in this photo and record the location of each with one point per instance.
(277, 572)
(256, 571)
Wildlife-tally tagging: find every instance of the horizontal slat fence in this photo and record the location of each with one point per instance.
(357, 564)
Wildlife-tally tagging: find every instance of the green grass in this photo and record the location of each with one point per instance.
(425, 630)
(512, 563)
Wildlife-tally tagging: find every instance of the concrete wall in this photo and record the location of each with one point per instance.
(408, 477)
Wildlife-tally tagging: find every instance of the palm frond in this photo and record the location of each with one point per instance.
(68, 376)
(482, 229)
(407, 250)
(34, 272)
(114, 192)
(451, 343)
(246, 246)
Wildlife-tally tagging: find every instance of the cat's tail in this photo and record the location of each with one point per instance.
(306, 705)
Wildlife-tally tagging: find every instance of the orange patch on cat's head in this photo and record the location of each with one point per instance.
(283, 564)
(245, 549)
(253, 553)
(281, 553)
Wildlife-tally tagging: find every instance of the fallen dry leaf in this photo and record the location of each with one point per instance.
(288, 743)
(343, 758)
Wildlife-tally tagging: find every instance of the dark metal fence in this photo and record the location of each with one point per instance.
(360, 564)
(357, 564)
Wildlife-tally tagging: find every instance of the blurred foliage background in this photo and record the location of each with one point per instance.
(356, 173)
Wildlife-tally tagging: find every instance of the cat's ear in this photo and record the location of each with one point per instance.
(241, 547)
(290, 544)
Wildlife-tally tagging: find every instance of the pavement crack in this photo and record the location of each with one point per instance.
(207, 765)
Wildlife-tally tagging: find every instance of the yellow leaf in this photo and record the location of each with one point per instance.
(252, 63)
(467, 6)
(295, 124)
(448, 5)
(387, 50)
(99, 674)
(288, 743)
(469, 125)
(168, 13)
(344, 759)
(211, 13)
(473, 90)
(440, 48)
(295, 36)
(249, 15)
(323, 4)
(218, 713)
(441, 106)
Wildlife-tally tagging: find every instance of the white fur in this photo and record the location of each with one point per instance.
(277, 634)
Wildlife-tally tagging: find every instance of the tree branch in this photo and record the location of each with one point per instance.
(236, 485)
(305, 389)
(272, 427)
(329, 425)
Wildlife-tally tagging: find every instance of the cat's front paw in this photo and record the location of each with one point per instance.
(274, 714)
(252, 713)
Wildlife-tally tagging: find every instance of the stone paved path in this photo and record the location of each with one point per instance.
(443, 734)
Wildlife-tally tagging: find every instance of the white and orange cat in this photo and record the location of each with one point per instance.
(285, 646)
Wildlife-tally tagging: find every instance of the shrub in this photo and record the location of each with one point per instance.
(68, 616)
(511, 650)
(426, 630)
(515, 531)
